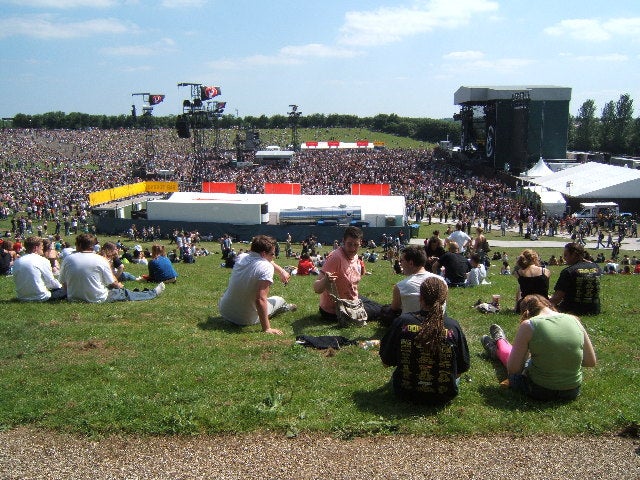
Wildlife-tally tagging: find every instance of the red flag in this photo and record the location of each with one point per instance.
(207, 93)
(155, 99)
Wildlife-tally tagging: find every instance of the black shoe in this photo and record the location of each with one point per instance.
(496, 332)
(490, 347)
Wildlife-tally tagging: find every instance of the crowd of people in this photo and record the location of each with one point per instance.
(49, 174)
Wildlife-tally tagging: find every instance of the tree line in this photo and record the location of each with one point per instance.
(615, 131)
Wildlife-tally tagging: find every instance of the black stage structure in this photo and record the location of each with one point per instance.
(510, 127)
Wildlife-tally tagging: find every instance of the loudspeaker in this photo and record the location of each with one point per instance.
(182, 126)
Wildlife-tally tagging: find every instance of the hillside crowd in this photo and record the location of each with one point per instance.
(49, 174)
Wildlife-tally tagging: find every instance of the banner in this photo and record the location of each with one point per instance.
(207, 93)
(282, 188)
(219, 187)
(155, 99)
(333, 143)
(383, 189)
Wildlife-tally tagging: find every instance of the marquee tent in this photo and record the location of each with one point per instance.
(540, 169)
(593, 180)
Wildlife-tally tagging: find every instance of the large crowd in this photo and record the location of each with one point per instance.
(49, 174)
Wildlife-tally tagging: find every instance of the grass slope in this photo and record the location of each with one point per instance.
(172, 365)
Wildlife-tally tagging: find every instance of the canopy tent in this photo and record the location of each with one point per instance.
(593, 180)
(553, 203)
(540, 169)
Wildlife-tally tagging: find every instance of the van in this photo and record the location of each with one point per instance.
(594, 210)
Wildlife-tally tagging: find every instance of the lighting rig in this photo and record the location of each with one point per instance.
(200, 112)
(146, 167)
(294, 115)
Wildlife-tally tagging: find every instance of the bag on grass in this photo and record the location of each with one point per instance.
(350, 312)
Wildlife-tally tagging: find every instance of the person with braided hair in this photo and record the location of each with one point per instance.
(428, 349)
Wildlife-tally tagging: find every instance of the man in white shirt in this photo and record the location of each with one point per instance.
(33, 275)
(460, 237)
(246, 300)
(406, 293)
(88, 277)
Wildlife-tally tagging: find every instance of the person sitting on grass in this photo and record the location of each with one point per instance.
(306, 266)
(160, 267)
(428, 349)
(246, 300)
(33, 275)
(111, 252)
(88, 277)
(550, 348)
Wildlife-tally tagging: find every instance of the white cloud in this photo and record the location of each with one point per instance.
(316, 50)
(596, 30)
(289, 55)
(182, 3)
(467, 55)
(165, 45)
(391, 24)
(475, 61)
(64, 4)
(47, 26)
(611, 57)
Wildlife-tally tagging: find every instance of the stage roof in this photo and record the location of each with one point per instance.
(484, 94)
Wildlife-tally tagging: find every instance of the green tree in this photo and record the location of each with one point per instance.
(586, 135)
(607, 127)
(624, 123)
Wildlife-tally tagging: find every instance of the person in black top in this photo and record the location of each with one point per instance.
(533, 278)
(456, 266)
(577, 290)
(428, 349)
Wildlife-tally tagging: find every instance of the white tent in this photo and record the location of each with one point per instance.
(553, 203)
(540, 169)
(593, 180)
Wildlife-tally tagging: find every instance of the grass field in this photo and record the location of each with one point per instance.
(173, 366)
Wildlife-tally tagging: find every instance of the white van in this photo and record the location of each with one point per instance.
(597, 209)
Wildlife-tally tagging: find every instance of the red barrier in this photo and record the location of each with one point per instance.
(219, 187)
(371, 189)
(282, 188)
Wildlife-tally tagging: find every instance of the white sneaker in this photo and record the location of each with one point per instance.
(160, 288)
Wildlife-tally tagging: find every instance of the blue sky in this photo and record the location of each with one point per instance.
(336, 56)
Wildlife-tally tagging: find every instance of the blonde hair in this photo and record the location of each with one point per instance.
(157, 250)
(527, 258)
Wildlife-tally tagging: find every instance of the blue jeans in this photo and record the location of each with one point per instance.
(127, 277)
(522, 383)
(124, 294)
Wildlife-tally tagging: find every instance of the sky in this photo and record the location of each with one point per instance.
(359, 57)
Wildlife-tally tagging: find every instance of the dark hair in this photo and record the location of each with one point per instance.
(30, 243)
(352, 232)
(262, 243)
(532, 305)
(576, 249)
(476, 258)
(85, 241)
(433, 293)
(415, 254)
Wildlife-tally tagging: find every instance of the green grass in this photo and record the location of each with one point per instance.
(173, 366)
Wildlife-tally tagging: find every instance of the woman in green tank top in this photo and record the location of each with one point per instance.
(548, 352)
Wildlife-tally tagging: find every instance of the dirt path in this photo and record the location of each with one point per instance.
(34, 454)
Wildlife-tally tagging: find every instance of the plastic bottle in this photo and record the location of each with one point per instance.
(369, 344)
